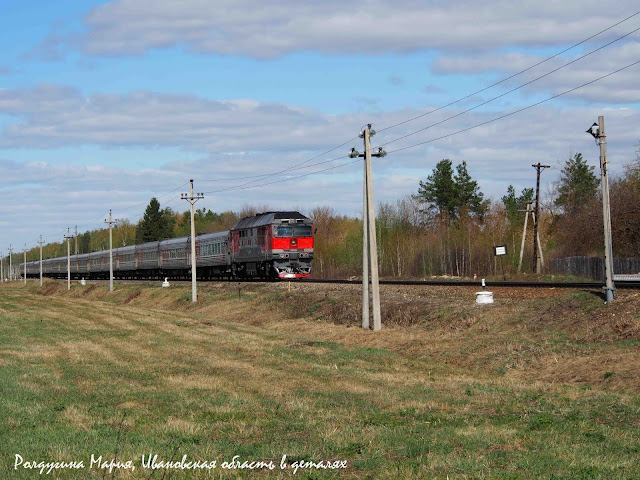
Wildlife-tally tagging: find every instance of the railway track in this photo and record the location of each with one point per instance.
(621, 285)
(476, 283)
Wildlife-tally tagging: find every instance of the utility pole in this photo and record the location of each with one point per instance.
(76, 237)
(524, 234)
(110, 222)
(68, 236)
(369, 243)
(539, 167)
(40, 242)
(25, 263)
(365, 251)
(541, 257)
(192, 200)
(597, 130)
(1, 268)
(10, 263)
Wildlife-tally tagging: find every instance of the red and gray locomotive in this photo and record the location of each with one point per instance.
(269, 245)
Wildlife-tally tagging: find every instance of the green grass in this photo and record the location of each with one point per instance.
(81, 377)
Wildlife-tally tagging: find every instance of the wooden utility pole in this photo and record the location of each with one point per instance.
(369, 242)
(192, 199)
(539, 167)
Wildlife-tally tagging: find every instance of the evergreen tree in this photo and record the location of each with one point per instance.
(439, 191)
(468, 194)
(156, 224)
(577, 185)
(451, 195)
(512, 203)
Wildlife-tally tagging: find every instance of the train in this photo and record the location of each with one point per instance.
(268, 246)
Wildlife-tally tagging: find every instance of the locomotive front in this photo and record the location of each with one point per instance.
(292, 246)
(272, 245)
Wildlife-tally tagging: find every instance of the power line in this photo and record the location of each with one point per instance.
(244, 187)
(512, 90)
(516, 111)
(296, 166)
(509, 77)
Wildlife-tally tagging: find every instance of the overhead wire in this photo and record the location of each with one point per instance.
(297, 166)
(252, 184)
(512, 90)
(510, 76)
(518, 110)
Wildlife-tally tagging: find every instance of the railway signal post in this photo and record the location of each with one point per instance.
(68, 236)
(369, 244)
(192, 199)
(597, 131)
(110, 222)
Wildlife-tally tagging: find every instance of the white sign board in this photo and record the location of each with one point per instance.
(500, 250)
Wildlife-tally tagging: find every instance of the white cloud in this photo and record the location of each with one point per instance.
(621, 87)
(252, 138)
(275, 28)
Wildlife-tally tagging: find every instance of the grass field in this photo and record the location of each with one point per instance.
(539, 386)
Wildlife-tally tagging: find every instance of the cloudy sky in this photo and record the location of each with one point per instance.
(106, 104)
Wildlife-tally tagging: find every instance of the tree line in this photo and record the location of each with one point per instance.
(446, 227)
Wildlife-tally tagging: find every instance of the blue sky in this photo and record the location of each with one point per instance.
(106, 104)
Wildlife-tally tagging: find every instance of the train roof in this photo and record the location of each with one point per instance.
(208, 236)
(269, 218)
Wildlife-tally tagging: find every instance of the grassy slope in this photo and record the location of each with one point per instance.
(461, 391)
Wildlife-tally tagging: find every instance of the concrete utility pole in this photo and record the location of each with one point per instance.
(68, 236)
(192, 200)
(110, 222)
(536, 265)
(25, 263)
(365, 250)
(541, 257)
(40, 242)
(1, 268)
(76, 237)
(597, 130)
(524, 234)
(10, 263)
(369, 242)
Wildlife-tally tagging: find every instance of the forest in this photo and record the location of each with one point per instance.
(445, 228)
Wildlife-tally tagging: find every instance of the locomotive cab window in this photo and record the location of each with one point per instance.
(282, 231)
(292, 231)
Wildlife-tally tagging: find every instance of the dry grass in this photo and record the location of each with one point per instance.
(446, 388)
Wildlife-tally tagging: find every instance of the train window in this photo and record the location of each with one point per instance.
(283, 231)
(302, 231)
